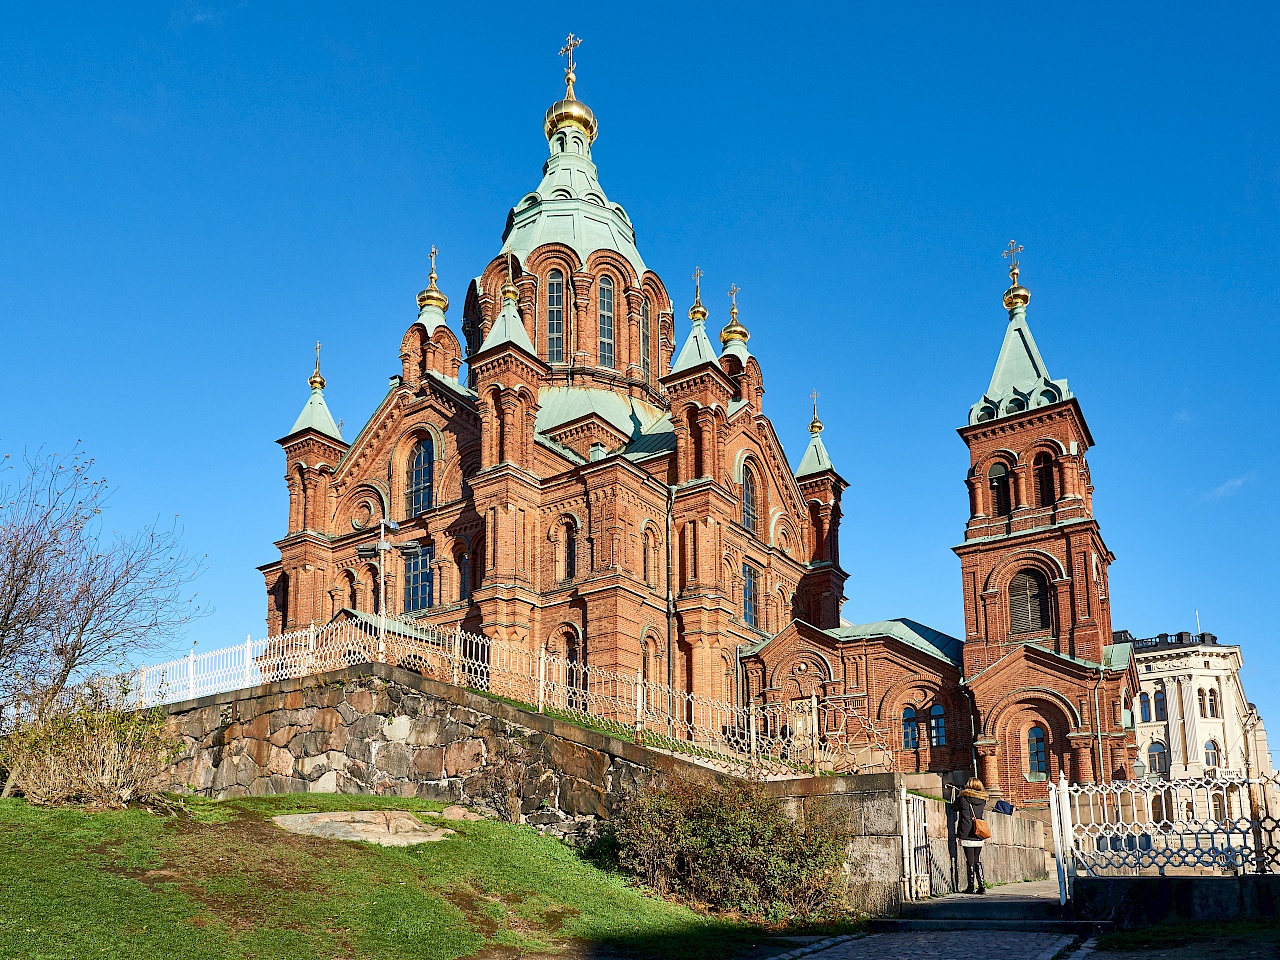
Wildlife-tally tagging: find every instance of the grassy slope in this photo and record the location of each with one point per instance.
(225, 882)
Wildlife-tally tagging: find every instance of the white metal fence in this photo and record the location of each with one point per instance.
(1214, 825)
(812, 735)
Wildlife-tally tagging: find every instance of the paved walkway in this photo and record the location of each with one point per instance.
(950, 945)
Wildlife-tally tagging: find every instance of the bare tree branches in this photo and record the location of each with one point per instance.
(74, 598)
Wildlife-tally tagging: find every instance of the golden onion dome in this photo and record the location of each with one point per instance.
(432, 295)
(571, 112)
(1016, 296)
(734, 330)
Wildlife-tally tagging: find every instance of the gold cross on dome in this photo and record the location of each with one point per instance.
(1015, 248)
(697, 283)
(317, 356)
(570, 44)
(814, 397)
(734, 290)
(432, 255)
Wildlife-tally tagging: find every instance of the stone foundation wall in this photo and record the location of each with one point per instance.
(381, 730)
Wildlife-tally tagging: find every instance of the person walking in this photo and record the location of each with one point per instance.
(970, 806)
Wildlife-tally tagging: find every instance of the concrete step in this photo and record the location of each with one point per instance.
(1075, 928)
(970, 907)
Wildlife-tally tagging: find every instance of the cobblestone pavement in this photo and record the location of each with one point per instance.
(948, 945)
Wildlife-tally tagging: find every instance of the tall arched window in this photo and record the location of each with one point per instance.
(606, 322)
(646, 364)
(1042, 469)
(647, 560)
(555, 317)
(1001, 497)
(750, 509)
(750, 595)
(1200, 699)
(1161, 712)
(1037, 754)
(937, 726)
(464, 575)
(1157, 758)
(1211, 756)
(1213, 703)
(1144, 708)
(568, 550)
(419, 585)
(910, 732)
(421, 478)
(1028, 602)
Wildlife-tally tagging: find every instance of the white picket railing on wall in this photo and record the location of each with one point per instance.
(809, 736)
(1225, 824)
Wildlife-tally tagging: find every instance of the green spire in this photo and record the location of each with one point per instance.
(697, 350)
(815, 459)
(509, 328)
(315, 414)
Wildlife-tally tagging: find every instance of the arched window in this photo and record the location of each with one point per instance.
(555, 317)
(1161, 712)
(646, 364)
(648, 558)
(937, 726)
(353, 596)
(464, 575)
(1028, 602)
(1144, 708)
(750, 513)
(421, 478)
(750, 596)
(1211, 756)
(575, 654)
(910, 732)
(1213, 703)
(1042, 469)
(419, 585)
(1157, 758)
(606, 322)
(1200, 699)
(1001, 497)
(569, 565)
(1037, 754)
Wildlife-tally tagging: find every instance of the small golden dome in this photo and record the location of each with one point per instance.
(571, 112)
(697, 312)
(432, 295)
(1016, 296)
(316, 382)
(734, 330)
(815, 426)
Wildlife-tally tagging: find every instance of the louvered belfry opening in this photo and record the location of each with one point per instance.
(1029, 603)
(1001, 501)
(1042, 468)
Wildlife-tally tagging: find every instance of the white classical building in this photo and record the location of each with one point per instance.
(1192, 716)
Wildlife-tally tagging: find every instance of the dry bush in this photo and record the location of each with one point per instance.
(91, 750)
(733, 847)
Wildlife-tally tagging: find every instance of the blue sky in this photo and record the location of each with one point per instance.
(192, 194)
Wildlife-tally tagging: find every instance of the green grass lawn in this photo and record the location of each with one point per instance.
(223, 881)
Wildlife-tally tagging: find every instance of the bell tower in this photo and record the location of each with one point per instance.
(1033, 560)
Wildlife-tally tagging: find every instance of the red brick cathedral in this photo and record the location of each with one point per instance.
(587, 488)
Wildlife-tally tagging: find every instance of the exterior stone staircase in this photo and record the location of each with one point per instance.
(1030, 907)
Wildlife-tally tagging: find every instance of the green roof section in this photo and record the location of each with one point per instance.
(560, 405)
(1116, 656)
(316, 416)
(935, 643)
(697, 350)
(815, 459)
(570, 207)
(1021, 380)
(508, 328)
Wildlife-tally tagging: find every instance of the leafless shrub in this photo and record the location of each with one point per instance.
(91, 749)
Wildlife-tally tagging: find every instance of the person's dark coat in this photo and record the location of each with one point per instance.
(968, 809)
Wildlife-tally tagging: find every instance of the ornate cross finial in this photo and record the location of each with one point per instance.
(815, 425)
(432, 255)
(697, 284)
(317, 381)
(570, 44)
(734, 290)
(1015, 248)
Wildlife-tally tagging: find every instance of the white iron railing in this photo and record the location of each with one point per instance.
(1226, 824)
(814, 735)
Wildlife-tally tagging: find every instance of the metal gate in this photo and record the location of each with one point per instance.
(916, 855)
